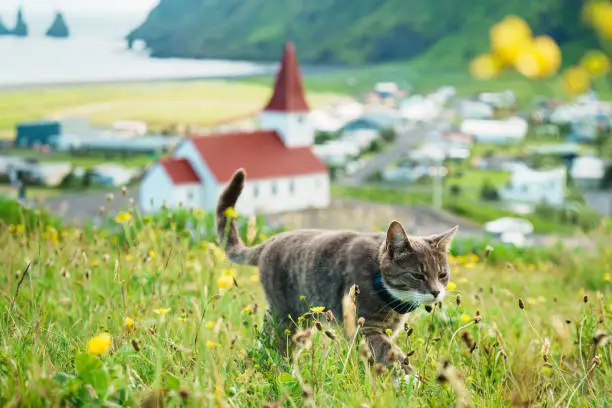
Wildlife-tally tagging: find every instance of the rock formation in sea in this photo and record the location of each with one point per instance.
(59, 28)
(21, 27)
(3, 29)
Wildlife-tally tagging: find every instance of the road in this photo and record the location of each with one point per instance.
(406, 140)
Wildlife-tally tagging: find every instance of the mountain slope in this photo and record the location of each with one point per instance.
(340, 31)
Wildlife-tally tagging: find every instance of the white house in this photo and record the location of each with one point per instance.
(283, 173)
(509, 230)
(475, 110)
(512, 130)
(588, 172)
(536, 187)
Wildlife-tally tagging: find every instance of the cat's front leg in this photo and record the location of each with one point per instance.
(386, 353)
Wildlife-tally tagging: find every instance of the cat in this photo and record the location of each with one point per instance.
(393, 272)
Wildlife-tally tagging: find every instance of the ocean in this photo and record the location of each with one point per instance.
(97, 52)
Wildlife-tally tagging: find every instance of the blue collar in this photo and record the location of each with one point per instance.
(388, 299)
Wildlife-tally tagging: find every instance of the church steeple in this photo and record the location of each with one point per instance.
(288, 94)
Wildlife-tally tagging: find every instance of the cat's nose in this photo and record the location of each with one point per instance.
(435, 293)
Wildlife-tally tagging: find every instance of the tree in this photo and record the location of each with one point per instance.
(488, 192)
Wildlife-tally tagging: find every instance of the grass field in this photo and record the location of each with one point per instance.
(160, 104)
(101, 320)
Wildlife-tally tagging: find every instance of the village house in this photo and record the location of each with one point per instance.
(588, 172)
(283, 173)
(529, 186)
(506, 131)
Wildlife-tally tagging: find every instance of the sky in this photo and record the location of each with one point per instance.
(81, 6)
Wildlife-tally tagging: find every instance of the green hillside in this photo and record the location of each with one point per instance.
(346, 31)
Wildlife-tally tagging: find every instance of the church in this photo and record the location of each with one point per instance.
(283, 173)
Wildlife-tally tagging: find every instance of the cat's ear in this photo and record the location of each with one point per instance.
(442, 241)
(396, 237)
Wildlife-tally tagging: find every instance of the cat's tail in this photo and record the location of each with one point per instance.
(227, 232)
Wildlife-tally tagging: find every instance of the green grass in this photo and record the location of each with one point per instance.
(160, 104)
(197, 341)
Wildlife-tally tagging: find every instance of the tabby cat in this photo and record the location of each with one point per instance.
(394, 273)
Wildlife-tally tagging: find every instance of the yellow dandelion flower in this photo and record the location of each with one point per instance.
(540, 59)
(247, 309)
(123, 217)
(128, 322)
(225, 282)
(152, 254)
(99, 344)
(162, 311)
(230, 212)
(129, 257)
(486, 66)
(596, 63)
(601, 18)
(211, 345)
(470, 265)
(509, 37)
(607, 277)
(210, 325)
(318, 309)
(466, 318)
(19, 228)
(451, 286)
(576, 80)
(254, 278)
(199, 212)
(11, 228)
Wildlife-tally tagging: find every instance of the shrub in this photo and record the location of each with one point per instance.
(14, 213)
(488, 192)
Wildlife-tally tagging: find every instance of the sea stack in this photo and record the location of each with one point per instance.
(3, 29)
(59, 28)
(21, 28)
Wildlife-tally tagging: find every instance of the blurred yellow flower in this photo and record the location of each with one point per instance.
(466, 318)
(539, 59)
(19, 228)
(98, 345)
(123, 217)
(11, 228)
(541, 299)
(576, 80)
(451, 286)
(210, 344)
(485, 66)
(247, 309)
(531, 301)
(210, 325)
(607, 277)
(152, 254)
(230, 212)
(129, 257)
(509, 37)
(318, 309)
(199, 212)
(128, 322)
(254, 278)
(225, 282)
(596, 63)
(601, 18)
(162, 311)
(463, 280)
(470, 265)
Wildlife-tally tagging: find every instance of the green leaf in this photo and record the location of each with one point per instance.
(171, 382)
(286, 378)
(63, 378)
(85, 363)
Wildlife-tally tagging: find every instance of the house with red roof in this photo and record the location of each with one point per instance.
(283, 173)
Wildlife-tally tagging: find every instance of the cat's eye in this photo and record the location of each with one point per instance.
(443, 275)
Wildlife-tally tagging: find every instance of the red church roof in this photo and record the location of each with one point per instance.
(179, 171)
(288, 95)
(261, 153)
